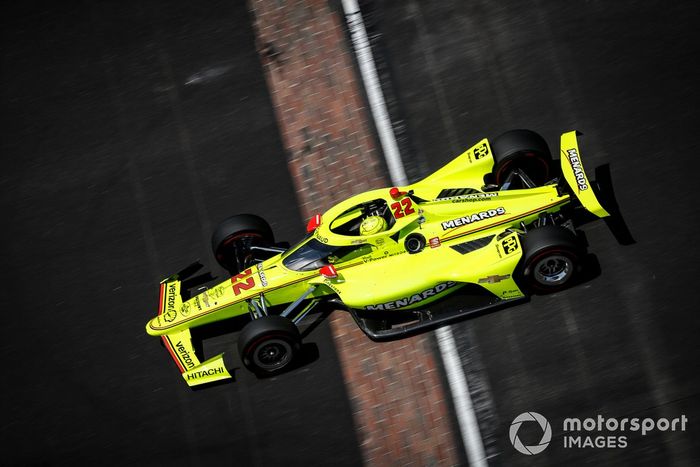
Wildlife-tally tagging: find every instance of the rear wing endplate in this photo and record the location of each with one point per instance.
(575, 176)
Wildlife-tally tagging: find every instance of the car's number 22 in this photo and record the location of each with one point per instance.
(403, 208)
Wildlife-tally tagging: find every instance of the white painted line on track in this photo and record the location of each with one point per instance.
(377, 104)
(457, 380)
(461, 397)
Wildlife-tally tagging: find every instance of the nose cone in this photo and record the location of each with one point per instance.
(152, 325)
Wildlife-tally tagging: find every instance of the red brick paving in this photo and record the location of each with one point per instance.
(398, 402)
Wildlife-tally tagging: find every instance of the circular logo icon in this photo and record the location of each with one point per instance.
(546, 433)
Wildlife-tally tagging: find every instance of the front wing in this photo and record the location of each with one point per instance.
(179, 344)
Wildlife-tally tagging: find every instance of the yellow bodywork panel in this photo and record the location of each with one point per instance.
(404, 275)
(508, 252)
(466, 170)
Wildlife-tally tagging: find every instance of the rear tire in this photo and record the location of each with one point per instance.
(552, 257)
(268, 345)
(233, 237)
(524, 150)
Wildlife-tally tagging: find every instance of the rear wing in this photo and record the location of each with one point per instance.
(179, 343)
(575, 176)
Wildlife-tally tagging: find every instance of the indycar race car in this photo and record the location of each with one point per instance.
(490, 228)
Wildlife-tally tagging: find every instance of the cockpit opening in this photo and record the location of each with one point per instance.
(365, 219)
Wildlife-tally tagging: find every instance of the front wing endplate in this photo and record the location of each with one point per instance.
(194, 372)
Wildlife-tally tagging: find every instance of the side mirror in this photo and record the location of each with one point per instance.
(328, 272)
(313, 224)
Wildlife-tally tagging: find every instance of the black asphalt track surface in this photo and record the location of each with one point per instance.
(625, 343)
(128, 131)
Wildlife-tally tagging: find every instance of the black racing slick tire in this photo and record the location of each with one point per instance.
(524, 150)
(233, 237)
(268, 345)
(552, 258)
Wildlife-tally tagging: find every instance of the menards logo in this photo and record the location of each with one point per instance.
(479, 216)
(575, 162)
(415, 298)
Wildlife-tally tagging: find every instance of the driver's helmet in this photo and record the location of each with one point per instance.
(373, 225)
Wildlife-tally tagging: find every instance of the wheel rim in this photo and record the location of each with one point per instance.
(553, 270)
(272, 354)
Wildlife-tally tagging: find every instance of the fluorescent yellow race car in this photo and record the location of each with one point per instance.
(490, 228)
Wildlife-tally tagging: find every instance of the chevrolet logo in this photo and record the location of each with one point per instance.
(493, 279)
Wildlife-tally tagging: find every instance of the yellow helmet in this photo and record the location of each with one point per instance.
(372, 225)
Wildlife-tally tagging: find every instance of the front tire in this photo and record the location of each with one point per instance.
(233, 237)
(268, 345)
(552, 257)
(524, 150)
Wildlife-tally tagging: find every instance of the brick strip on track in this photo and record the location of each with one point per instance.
(399, 405)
